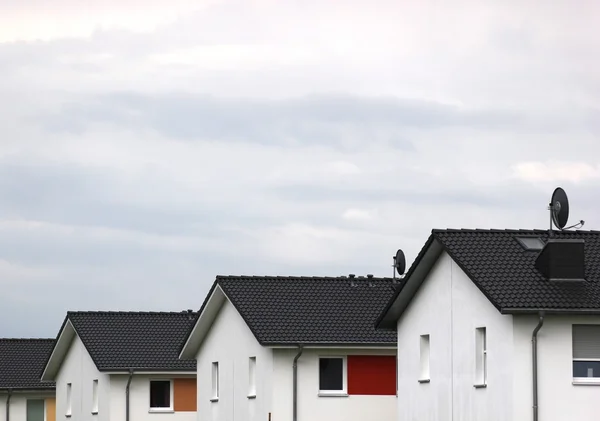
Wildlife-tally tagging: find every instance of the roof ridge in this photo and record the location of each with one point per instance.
(27, 339)
(104, 312)
(316, 278)
(507, 230)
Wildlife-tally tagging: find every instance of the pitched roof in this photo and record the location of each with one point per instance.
(22, 361)
(505, 273)
(282, 310)
(118, 341)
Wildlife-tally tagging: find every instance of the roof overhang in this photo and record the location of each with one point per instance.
(208, 313)
(59, 352)
(335, 346)
(145, 371)
(553, 311)
(410, 284)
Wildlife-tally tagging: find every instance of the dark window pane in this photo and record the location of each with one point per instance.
(160, 394)
(586, 368)
(331, 374)
(35, 410)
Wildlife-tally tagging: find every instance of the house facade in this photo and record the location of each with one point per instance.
(499, 325)
(23, 397)
(294, 348)
(123, 366)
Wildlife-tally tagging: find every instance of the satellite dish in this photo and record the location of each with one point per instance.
(559, 208)
(400, 262)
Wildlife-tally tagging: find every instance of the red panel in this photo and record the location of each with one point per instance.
(371, 374)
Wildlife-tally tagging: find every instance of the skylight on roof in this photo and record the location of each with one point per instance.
(531, 243)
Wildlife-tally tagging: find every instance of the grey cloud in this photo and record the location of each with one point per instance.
(342, 120)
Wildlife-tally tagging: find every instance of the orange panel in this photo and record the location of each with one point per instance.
(371, 374)
(50, 409)
(185, 395)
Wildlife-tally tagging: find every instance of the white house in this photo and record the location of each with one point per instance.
(115, 366)
(294, 349)
(499, 325)
(23, 397)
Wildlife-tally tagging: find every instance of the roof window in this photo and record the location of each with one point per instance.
(531, 243)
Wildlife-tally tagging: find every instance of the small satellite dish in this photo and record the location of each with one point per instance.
(559, 208)
(400, 262)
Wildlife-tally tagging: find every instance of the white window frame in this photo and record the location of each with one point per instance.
(95, 397)
(69, 400)
(480, 357)
(424, 358)
(171, 396)
(214, 381)
(344, 390)
(251, 377)
(582, 380)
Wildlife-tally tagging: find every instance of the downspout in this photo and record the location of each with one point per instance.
(295, 388)
(8, 404)
(127, 395)
(534, 365)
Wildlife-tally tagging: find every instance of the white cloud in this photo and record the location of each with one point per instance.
(556, 171)
(354, 214)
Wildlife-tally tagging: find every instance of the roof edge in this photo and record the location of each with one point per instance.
(554, 311)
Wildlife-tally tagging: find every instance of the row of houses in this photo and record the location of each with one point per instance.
(485, 325)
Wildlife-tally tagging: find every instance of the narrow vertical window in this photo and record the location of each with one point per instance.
(68, 412)
(252, 377)
(480, 357)
(95, 397)
(424, 348)
(215, 381)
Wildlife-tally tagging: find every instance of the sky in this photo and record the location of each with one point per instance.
(148, 146)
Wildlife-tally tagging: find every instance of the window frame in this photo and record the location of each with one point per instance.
(251, 377)
(582, 380)
(214, 386)
(329, 393)
(95, 397)
(171, 396)
(424, 363)
(69, 405)
(481, 352)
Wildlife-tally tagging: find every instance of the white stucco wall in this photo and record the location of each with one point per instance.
(311, 406)
(79, 370)
(558, 398)
(139, 399)
(18, 404)
(231, 343)
(448, 307)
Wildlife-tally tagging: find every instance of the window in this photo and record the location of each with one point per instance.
(95, 396)
(480, 357)
(332, 375)
(36, 410)
(586, 353)
(68, 412)
(215, 381)
(160, 395)
(531, 243)
(252, 377)
(424, 349)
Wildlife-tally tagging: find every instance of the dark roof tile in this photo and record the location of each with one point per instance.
(141, 340)
(292, 310)
(22, 362)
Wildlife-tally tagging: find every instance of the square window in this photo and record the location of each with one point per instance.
(160, 394)
(586, 353)
(36, 410)
(332, 375)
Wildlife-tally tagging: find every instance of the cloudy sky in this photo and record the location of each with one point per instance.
(147, 146)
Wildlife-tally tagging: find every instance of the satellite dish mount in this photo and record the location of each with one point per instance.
(559, 211)
(399, 263)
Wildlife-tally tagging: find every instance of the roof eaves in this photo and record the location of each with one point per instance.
(400, 287)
